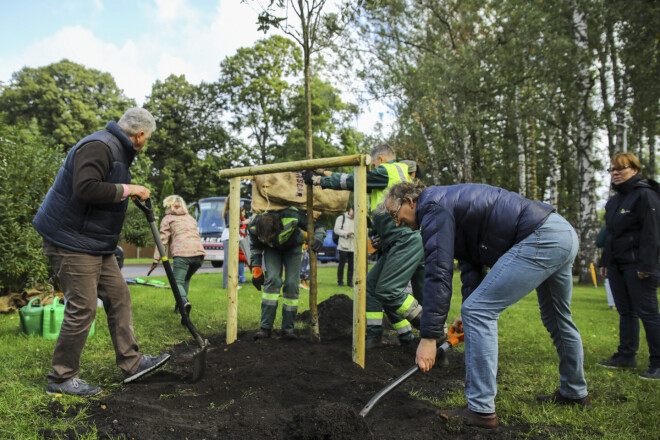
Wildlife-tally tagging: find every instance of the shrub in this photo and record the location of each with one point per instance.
(28, 167)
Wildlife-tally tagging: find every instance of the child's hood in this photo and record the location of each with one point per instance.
(181, 210)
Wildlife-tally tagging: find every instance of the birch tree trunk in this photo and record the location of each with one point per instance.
(553, 165)
(435, 167)
(587, 218)
(522, 164)
(620, 91)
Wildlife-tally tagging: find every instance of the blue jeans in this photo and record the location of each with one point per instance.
(542, 261)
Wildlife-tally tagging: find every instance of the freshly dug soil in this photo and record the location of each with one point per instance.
(277, 389)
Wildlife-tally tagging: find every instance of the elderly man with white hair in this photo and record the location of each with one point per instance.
(80, 220)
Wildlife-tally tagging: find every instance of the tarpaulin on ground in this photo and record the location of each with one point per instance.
(281, 190)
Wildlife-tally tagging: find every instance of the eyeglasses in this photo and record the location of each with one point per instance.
(613, 169)
(396, 214)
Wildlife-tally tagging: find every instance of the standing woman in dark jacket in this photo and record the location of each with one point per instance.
(527, 245)
(631, 261)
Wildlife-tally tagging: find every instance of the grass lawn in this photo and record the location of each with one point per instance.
(625, 407)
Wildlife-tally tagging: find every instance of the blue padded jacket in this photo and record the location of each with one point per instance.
(475, 224)
(88, 228)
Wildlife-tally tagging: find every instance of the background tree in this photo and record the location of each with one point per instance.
(28, 165)
(256, 81)
(190, 143)
(332, 133)
(67, 100)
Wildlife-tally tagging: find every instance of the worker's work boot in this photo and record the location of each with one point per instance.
(186, 307)
(556, 397)
(289, 336)
(370, 343)
(488, 421)
(263, 333)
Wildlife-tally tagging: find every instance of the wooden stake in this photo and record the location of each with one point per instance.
(360, 262)
(232, 258)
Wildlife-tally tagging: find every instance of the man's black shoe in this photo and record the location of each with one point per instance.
(618, 361)
(556, 397)
(263, 333)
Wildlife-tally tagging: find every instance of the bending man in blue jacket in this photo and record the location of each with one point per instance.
(527, 245)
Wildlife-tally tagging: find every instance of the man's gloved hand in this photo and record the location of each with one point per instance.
(316, 245)
(153, 266)
(375, 242)
(308, 177)
(257, 277)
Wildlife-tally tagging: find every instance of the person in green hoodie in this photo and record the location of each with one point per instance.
(401, 257)
(276, 241)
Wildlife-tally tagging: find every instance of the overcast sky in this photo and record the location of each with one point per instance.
(136, 41)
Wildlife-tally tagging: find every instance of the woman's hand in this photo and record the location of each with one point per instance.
(603, 271)
(426, 354)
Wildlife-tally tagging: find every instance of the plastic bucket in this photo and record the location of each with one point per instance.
(31, 317)
(53, 316)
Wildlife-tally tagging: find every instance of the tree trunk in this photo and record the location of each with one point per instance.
(522, 165)
(587, 218)
(433, 159)
(620, 94)
(532, 182)
(604, 93)
(554, 173)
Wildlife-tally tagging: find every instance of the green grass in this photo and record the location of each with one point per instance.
(625, 407)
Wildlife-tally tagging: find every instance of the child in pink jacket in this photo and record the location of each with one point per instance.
(179, 234)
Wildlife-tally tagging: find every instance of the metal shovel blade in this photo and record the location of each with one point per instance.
(199, 362)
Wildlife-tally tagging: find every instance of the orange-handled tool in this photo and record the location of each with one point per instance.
(453, 338)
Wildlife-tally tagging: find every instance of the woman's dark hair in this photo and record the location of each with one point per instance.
(268, 225)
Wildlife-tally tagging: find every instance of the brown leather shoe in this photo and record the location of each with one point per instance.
(557, 398)
(488, 421)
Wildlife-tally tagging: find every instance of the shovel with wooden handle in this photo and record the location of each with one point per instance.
(199, 355)
(453, 338)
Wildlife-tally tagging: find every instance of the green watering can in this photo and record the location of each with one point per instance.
(52, 321)
(53, 315)
(31, 317)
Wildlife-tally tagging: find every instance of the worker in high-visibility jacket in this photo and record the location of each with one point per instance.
(276, 240)
(401, 252)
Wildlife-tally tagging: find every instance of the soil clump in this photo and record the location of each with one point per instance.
(278, 389)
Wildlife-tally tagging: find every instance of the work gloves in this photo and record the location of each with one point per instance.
(153, 266)
(258, 277)
(316, 245)
(308, 177)
(375, 242)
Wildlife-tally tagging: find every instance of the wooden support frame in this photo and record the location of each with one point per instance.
(360, 163)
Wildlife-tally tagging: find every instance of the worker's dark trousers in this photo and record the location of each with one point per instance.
(386, 286)
(83, 278)
(636, 300)
(274, 260)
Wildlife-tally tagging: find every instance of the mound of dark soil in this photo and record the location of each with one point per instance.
(276, 389)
